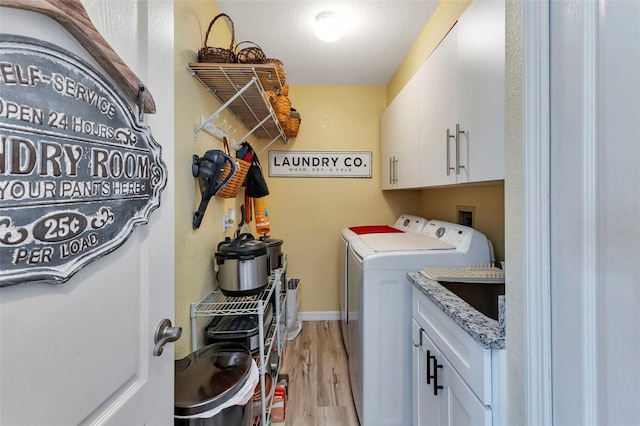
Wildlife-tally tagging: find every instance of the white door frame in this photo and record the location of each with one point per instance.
(536, 257)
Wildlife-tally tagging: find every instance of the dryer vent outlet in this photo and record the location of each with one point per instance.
(466, 215)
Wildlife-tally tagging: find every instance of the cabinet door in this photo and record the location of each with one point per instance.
(424, 408)
(438, 103)
(462, 408)
(453, 403)
(399, 138)
(387, 147)
(428, 408)
(481, 57)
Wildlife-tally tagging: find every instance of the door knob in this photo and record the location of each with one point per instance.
(165, 334)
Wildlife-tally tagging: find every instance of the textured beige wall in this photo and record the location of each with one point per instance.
(515, 294)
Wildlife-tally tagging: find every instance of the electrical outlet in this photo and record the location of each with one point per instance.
(228, 219)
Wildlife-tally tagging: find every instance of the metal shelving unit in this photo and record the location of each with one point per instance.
(217, 304)
(240, 88)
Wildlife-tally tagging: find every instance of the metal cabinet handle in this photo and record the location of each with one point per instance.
(436, 386)
(449, 136)
(458, 133)
(429, 374)
(165, 334)
(420, 342)
(393, 167)
(395, 170)
(390, 170)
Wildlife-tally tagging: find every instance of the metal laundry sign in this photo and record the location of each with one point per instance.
(77, 171)
(319, 164)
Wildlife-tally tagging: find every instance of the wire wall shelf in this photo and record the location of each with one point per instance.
(241, 90)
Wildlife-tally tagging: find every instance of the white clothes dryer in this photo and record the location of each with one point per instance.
(380, 315)
(404, 223)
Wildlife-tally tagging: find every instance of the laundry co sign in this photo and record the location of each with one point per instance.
(319, 164)
(77, 171)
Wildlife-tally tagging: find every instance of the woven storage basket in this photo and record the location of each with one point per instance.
(250, 55)
(231, 189)
(271, 96)
(282, 108)
(218, 54)
(292, 125)
(282, 74)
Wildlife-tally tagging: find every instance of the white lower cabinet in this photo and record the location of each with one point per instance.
(443, 394)
(426, 404)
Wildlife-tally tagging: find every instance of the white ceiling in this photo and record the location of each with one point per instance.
(379, 35)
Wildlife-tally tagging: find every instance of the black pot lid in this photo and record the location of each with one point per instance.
(244, 245)
(270, 241)
(209, 377)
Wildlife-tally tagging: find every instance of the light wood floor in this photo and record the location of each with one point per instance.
(319, 389)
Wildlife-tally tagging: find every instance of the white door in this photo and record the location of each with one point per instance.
(81, 352)
(595, 211)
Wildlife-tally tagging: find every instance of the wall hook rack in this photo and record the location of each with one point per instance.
(217, 131)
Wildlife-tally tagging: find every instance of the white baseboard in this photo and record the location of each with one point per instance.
(319, 316)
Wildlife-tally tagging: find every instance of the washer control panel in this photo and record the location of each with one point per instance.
(457, 235)
(410, 223)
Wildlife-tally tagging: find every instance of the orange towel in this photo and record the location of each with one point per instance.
(263, 225)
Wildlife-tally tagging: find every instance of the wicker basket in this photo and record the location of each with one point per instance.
(292, 125)
(231, 189)
(282, 74)
(282, 107)
(218, 54)
(250, 55)
(271, 96)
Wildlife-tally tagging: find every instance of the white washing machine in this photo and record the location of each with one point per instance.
(404, 223)
(380, 323)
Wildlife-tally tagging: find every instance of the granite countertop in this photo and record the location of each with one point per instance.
(484, 330)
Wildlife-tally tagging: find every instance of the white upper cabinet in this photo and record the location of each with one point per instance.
(481, 55)
(453, 107)
(462, 101)
(438, 100)
(400, 141)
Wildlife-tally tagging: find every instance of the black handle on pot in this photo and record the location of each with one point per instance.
(241, 239)
(227, 240)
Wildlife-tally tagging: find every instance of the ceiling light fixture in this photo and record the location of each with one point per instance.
(328, 26)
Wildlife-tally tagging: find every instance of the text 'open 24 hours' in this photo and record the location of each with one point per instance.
(77, 171)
